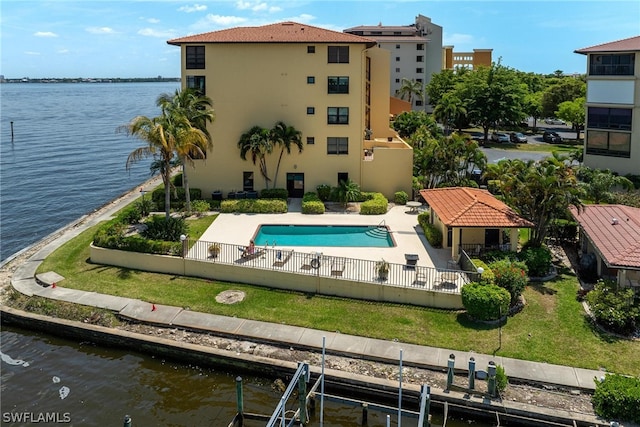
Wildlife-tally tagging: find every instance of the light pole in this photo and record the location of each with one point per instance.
(480, 270)
(183, 239)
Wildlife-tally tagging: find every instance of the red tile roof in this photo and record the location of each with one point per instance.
(471, 207)
(631, 44)
(282, 32)
(615, 232)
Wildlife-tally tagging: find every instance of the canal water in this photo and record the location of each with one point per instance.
(80, 384)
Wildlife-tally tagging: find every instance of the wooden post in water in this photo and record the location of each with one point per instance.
(12, 131)
(238, 420)
(127, 418)
(365, 413)
(302, 398)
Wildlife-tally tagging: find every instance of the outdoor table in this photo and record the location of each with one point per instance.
(413, 206)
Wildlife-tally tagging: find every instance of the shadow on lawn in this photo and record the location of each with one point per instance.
(465, 321)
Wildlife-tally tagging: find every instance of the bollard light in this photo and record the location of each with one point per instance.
(491, 381)
(472, 373)
(451, 363)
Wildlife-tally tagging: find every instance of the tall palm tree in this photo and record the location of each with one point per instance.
(160, 145)
(449, 110)
(257, 144)
(409, 88)
(196, 109)
(285, 137)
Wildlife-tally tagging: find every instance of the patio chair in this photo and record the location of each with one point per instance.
(310, 261)
(421, 276)
(411, 260)
(337, 266)
(282, 258)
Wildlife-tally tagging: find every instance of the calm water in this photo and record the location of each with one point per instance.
(324, 235)
(66, 158)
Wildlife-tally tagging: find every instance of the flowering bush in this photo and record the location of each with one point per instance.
(510, 275)
(614, 308)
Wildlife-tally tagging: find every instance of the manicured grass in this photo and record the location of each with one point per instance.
(538, 148)
(552, 327)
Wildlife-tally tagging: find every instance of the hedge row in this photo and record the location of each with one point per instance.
(254, 206)
(311, 204)
(485, 302)
(274, 193)
(177, 197)
(431, 232)
(111, 236)
(377, 204)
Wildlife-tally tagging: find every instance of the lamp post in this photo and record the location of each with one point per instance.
(480, 270)
(183, 239)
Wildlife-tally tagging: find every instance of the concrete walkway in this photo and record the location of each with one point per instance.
(24, 281)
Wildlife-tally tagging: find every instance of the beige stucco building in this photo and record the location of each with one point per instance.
(612, 135)
(469, 60)
(329, 85)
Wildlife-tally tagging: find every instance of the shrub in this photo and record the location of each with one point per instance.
(496, 255)
(177, 197)
(501, 379)
(400, 198)
(563, 229)
(324, 191)
(163, 228)
(510, 275)
(177, 180)
(431, 232)
(130, 215)
(487, 277)
(311, 204)
(617, 397)
(614, 308)
(377, 205)
(538, 260)
(254, 206)
(423, 217)
(199, 207)
(274, 193)
(485, 302)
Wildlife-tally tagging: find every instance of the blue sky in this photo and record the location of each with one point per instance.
(94, 39)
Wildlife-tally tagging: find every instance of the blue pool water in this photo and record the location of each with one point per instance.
(324, 235)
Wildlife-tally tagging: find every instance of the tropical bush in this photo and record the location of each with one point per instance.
(485, 302)
(614, 308)
(324, 191)
(162, 228)
(199, 207)
(563, 229)
(254, 206)
(431, 232)
(423, 218)
(501, 379)
(377, 205)
(496, 255)
(617, 397)
(111, 236)
(274, 193)
(311, 204)
(400, 198)
(177, 199)
(131, 215)
(538, 260)
(487, 277)
(510, 275)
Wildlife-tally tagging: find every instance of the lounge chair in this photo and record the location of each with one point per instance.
(249, 256)
(337, 266)
(282, 257)
(311, 260)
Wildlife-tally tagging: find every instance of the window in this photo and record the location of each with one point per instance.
(418, 102)
(197, 83)
(338, 54)
(419, 58)
(615, 144)
(397, 46)
(397, 59)
(338, 84)
(311, 49)
(420, 46)
(195, 57)
(311, 140)
(343, 176)
(337, 145)
(609, 118)
(338, 115)
(247, 181)
(419, 80)
(397, 80)
(311, 110)
(612, 65)
(397, 70)
(311, 80)
(419, 70)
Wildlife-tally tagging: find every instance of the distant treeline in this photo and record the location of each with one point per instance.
(87, 80)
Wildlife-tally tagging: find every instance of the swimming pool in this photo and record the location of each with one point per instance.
(324, 235)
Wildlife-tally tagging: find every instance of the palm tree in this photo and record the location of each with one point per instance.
(285, 136)
(160, 145)
(348, 191)
(257, 143)
(196, 109)
(409, 88)
(449, 110)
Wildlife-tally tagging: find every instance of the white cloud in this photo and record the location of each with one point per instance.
(30, 52)
(45, 34)
(274, 9)
(222, 20)
(457, 39)
(255, 6)
(63, 51)
(100, 30)
(153, 20)
(150, 32)
(195, 8)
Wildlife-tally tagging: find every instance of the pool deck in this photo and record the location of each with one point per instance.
(402, 222)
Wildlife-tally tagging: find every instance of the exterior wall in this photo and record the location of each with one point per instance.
(389, 171)
(616, 91)
(471, 60)
(262, 83)
(276, 279)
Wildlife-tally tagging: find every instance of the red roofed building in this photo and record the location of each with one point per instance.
(473, 219)
(612, 129)
(612, 234)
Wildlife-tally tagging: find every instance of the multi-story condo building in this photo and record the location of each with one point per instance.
(331, 86)
(415, 50)
(612, 130)
(469, 60)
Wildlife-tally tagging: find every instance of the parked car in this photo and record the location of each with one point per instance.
(500, 137)
(518, 138)
(549, 136)
(552, 121)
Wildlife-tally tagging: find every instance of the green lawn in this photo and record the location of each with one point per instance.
(552, 328)
(538, 148)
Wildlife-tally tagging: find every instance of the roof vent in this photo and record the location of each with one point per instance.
(614, 221)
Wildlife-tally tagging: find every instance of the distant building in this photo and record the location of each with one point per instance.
(612, 130)
(416, 51)
(331, 86)
(470, 60)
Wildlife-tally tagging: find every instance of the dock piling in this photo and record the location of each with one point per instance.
(472, 373)
(491, 381)
(451, 363)
(127, 418)
(365, 414)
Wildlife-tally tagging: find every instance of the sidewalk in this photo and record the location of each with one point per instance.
(24, 281)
